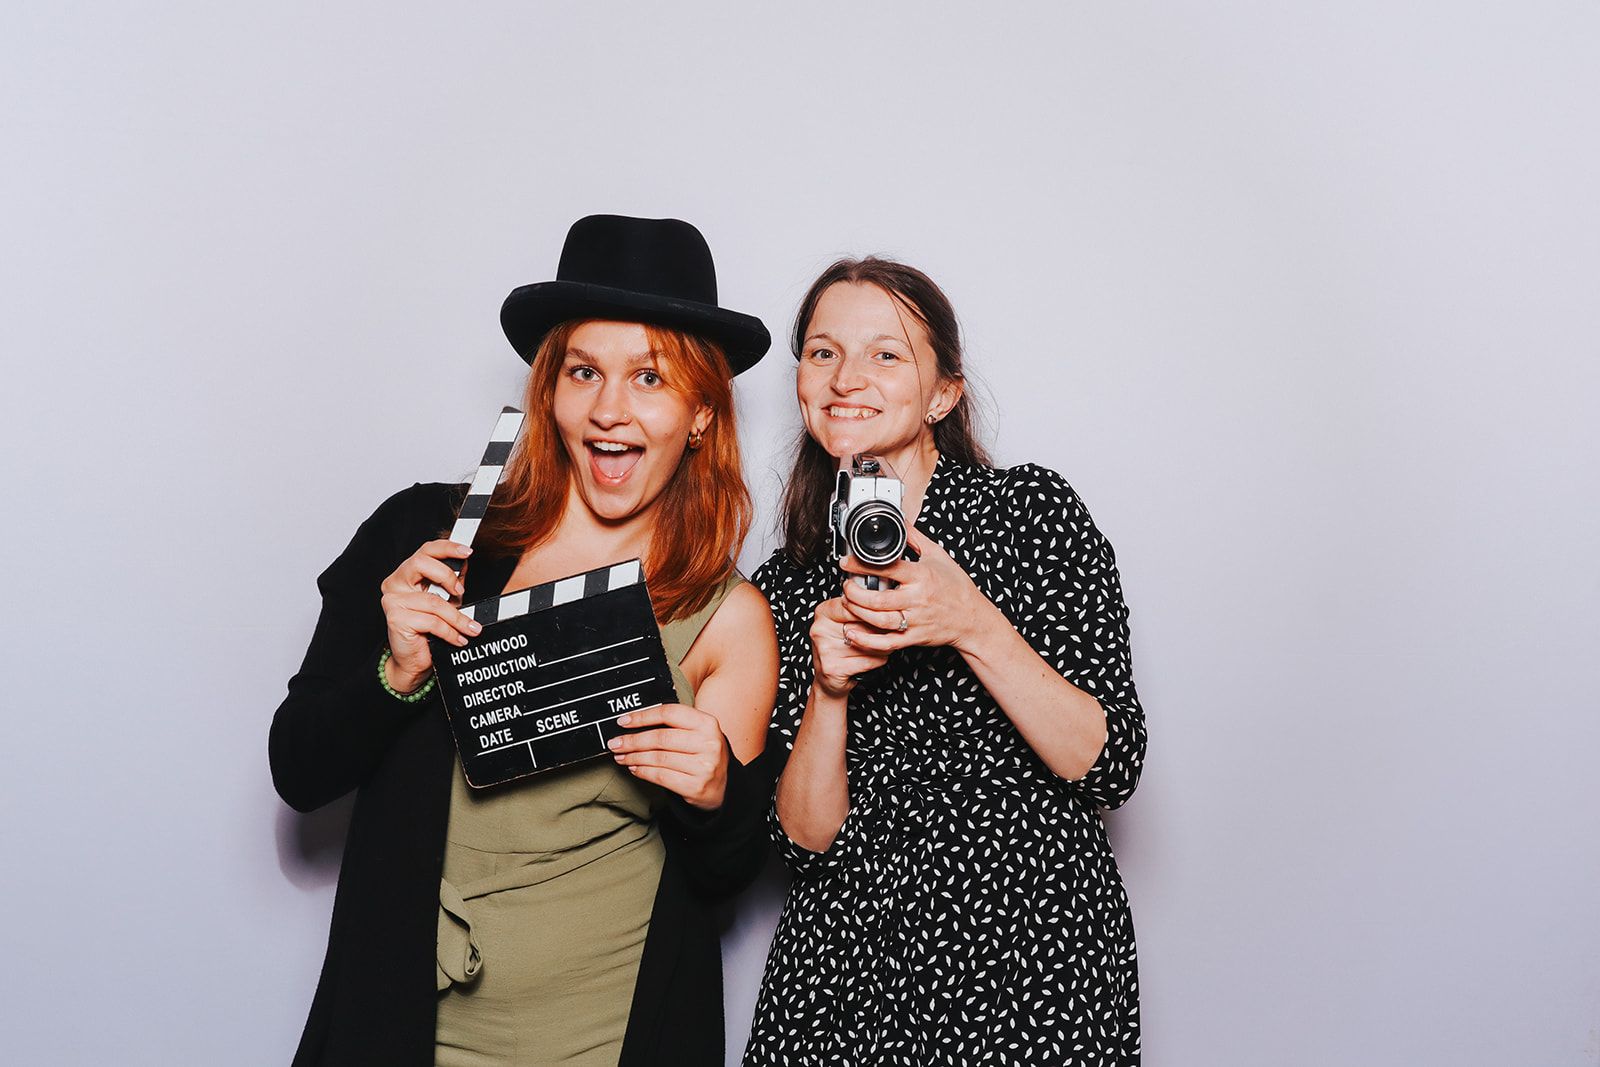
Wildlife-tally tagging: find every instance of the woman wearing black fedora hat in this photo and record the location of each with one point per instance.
(951, 735)
(563, 918)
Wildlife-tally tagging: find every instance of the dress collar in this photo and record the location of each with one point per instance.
(934, 496)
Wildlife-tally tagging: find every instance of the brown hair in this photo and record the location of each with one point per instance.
(805, 497)
(703, 512)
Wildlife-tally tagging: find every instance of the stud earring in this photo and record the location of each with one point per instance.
(930, 418)
(696, 439)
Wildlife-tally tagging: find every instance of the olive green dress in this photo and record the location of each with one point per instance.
(545, 903)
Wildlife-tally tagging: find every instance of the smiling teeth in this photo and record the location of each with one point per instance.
(851, 413)
(609, 446)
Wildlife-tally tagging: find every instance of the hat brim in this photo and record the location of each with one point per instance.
(532, 311)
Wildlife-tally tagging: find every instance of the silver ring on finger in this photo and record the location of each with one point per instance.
(904, 622)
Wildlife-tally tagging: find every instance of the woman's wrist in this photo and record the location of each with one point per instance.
(401, 684)
(984, 629)
(826, 702)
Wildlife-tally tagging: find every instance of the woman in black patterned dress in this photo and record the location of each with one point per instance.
(953, 739)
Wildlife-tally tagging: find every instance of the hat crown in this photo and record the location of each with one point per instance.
(664, 257)
(653, 271)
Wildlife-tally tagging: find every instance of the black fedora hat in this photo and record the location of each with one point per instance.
(634, 270)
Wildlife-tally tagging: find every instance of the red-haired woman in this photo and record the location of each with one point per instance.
(564, 918)
(954, 736)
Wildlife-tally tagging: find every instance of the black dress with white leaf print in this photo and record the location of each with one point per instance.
(969, 910)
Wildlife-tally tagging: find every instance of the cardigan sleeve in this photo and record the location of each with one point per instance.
(1071, 611)
(337, 721)
(725, 849)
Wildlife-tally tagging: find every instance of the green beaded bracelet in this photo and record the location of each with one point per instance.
(408, 698)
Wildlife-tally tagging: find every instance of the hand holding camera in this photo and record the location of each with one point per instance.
(837, 663)
(931, 602)
(901, 589)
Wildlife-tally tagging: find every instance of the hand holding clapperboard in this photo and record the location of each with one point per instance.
(556, 664)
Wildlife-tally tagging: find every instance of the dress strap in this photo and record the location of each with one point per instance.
(679, 635)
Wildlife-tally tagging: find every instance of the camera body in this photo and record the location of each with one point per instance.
(864, 515)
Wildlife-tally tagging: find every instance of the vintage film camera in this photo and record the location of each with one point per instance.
(865, 515)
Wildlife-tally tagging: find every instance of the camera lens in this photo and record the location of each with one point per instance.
(876, 533)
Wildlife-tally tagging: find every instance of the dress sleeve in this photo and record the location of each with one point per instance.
(850, 846)
(1070, 610)
(337, 721)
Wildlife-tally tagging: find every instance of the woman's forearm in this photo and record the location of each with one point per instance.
(1062, 723)
(332, 730)
(813, 795)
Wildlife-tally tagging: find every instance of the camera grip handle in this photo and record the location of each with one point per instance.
(874, 581)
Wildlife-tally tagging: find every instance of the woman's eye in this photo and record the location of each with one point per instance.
(886, 357)
(649, 378)
(821, 355)
(584, 374)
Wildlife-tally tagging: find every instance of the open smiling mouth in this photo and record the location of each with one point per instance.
(612, 461)
(840, 411)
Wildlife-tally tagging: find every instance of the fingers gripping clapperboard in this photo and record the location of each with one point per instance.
(556, 664)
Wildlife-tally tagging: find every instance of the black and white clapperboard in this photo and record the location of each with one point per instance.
(555, 666)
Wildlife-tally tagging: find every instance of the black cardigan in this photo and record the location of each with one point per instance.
(339, 730)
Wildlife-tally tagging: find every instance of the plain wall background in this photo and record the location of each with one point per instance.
(1302, 298)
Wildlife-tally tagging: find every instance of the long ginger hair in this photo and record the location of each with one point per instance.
(703, 513)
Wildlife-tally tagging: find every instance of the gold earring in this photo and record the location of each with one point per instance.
(930, 418)
(696, 438)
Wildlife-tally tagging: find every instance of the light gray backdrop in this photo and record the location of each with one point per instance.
(1301, 300)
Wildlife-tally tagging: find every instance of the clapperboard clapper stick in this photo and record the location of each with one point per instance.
(555, 666)
(484, 483)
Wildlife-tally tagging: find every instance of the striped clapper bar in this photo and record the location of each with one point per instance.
(543, 684)
(476, 505)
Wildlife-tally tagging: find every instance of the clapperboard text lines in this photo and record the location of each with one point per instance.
(564, 703)
(460, 657)
(591, 674)
(586, 696)
(596, 724)
(592, 651)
